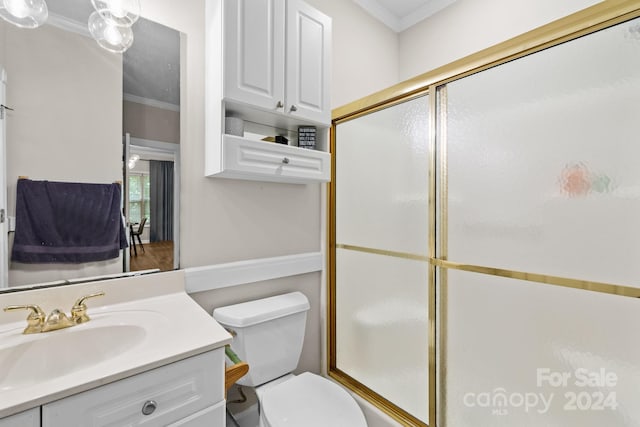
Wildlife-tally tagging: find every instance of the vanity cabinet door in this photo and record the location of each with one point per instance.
(30, 418)
(158, 397)
(254, 52)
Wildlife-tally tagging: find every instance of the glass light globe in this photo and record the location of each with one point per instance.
(108, 35)
(123, 13)
(133, 160)
(24, 13)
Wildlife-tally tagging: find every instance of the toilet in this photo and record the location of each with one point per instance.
(268, 335)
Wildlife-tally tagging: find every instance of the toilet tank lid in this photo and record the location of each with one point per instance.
(258, 311)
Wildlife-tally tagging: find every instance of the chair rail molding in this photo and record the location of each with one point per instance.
(218, 276)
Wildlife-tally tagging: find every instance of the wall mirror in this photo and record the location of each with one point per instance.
(87, 115)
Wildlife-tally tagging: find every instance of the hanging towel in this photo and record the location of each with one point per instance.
(67, 222)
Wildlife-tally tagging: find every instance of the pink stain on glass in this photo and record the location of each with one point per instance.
(575, 180)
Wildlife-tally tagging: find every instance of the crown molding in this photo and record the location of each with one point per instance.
(401, 23)
(150, 102)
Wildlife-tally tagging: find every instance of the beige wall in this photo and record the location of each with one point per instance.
(229, 220)
(365, 52)
(148, 122)
(468, 26)
(67, 96)
(225, 220)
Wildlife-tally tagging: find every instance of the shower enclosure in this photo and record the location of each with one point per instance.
(485, 241)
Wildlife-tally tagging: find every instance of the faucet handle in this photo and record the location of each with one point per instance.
(35, 320)
(79, 309)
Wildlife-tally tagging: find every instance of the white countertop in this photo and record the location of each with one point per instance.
(166, 325)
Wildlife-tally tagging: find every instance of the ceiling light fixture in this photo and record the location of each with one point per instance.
(123, 13)
(132, 161)
(111, 23)
(24, 13)
(111, 37)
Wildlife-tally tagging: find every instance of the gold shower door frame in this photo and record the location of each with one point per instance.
(433, 83)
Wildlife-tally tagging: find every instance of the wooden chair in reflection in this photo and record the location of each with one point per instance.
(137, 233)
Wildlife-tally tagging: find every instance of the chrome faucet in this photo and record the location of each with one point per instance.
(37, 322)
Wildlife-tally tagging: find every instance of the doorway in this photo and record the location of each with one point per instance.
(152, 172)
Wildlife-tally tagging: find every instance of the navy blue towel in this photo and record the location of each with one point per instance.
(67, 222)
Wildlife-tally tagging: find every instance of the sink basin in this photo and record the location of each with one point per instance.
(29, 359)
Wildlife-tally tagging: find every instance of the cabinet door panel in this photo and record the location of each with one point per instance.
(254, 52)
(30, 418)
(308, 56)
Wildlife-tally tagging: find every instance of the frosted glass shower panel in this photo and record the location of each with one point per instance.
(528, 355)
(543, 161)
(382, 179)
(382, 326)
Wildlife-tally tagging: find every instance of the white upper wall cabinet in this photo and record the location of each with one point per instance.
(267, 63)
(276, 56)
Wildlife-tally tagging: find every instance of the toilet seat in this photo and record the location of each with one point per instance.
(311, 401)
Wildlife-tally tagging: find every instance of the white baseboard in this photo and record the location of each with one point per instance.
(207, 278)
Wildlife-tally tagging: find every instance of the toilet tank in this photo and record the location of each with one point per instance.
(268, 333)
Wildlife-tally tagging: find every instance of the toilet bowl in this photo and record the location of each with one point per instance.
(268, 335)
(309, 400)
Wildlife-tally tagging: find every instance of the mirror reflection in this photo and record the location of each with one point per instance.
(82, 114)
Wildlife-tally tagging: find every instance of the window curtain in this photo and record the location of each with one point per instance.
(161, 192)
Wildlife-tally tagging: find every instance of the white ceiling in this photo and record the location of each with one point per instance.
(402, 14)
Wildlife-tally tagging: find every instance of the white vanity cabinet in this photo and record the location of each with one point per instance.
(189, 393)
(268, 63)
(30, 418)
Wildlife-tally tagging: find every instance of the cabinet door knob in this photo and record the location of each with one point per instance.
(293, 108)
(149, 407)
(285, 160)
(279, 104)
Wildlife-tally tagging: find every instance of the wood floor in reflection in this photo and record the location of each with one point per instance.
(155, 255)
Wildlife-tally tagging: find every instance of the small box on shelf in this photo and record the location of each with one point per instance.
(282, 140)
(307, 137)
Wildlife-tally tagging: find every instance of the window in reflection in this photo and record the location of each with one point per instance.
(139, 199)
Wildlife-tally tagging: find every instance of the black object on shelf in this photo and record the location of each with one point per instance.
(282, 140)
(307, 137)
